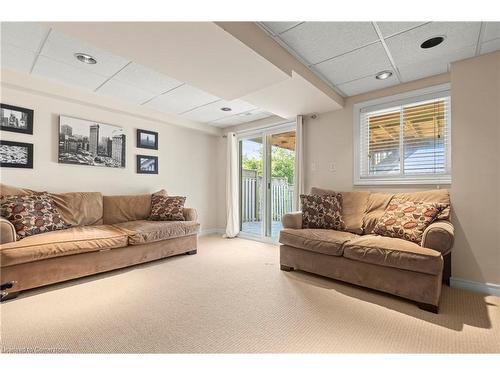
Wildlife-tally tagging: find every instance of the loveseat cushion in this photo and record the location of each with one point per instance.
(122, 208)
(144, 231)
(394, 252)
(324, 241)
(70, 241)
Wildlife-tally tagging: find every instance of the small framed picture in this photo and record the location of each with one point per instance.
(16, 154)
(147, 164)
(16, 119)
(147, 139)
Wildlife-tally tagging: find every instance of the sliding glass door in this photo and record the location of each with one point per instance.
(267, 162)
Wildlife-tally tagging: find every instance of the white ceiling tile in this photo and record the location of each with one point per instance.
(63, 48)
(279, 27)
(181, 99)
(318, 41)
(390, 28)
(67, 74)
(357, 64)
(491, 46)
(12, 57)
(25, 35)
(366, 84)
(124, 91)
(146, 79)
(433, 67)
(491, 31)
(242, 118)
(405, 47)
(212, 111)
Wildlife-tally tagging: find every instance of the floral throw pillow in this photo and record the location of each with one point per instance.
(322, 211)
(407, 220)
(165, 208)
(32, 214)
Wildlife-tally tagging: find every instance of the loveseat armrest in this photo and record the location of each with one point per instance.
(7, 231)
(439, 236)
(292, 220)
(190, 214)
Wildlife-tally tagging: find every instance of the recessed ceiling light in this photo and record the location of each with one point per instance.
(225, 109)
(84, 58)
(384, 75)
(432, 42)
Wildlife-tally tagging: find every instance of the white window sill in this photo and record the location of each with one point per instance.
(445, 180)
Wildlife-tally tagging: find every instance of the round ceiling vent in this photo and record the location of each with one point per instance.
(84, 58)
(432, 42)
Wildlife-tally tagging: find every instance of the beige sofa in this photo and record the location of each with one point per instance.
(108, 232)
(392, 265)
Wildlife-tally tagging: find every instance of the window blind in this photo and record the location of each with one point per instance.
(407, 140)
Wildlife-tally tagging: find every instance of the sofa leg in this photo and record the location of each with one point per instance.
(447, 269)
(428, 307)
(286, 268)
(192, 252)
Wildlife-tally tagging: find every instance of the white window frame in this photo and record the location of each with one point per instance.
(409, 97)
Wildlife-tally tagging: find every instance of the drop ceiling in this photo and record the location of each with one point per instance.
(347, 55)
(39, 50)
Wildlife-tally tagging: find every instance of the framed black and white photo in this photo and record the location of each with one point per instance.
(147, 139)
(147, 164)
(16, 119)
(16, 154)
(94, 143)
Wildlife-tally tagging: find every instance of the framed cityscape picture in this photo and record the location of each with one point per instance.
(16, 119)
(92, 143)
(147, 164)
(147, 139)
(16, 154)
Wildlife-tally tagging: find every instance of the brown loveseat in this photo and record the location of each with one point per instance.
(357, 256)
(108, 232)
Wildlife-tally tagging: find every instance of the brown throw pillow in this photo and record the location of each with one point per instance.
(165, 208)
(32, 214)
(322, 211)
(407, 220)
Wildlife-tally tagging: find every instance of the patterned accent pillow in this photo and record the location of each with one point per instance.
(322, 211)
(165, 208)
(407, 220)
(32, 214)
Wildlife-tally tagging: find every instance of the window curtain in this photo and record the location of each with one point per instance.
(232, 204)
(299, 162)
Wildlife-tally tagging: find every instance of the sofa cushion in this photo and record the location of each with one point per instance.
(378, 202)
(122, 208)
(394, 252)
(144, 231)
(32, 214)
(322, 211)
(70, 241)
(406, 220)
(354, 205)
(324, 241)
(76, 208)
(165, 208)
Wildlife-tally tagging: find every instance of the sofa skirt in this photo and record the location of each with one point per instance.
(416, 286)
(53, 270)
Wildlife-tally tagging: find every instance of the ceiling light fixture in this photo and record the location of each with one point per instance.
(226, 109)
(383, 75)
(84, 58)
(432, 42)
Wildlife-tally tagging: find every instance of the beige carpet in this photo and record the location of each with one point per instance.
(232, 297)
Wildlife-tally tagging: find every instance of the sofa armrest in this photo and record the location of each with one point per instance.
(439, 236)
(190, 214)
(7, 231)
(292, 220)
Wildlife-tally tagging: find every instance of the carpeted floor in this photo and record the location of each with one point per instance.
(232, 297)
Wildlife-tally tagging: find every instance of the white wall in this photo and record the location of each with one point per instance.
(188, 159)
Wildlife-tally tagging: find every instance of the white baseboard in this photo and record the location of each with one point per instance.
(474, 286)
(206, 232)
